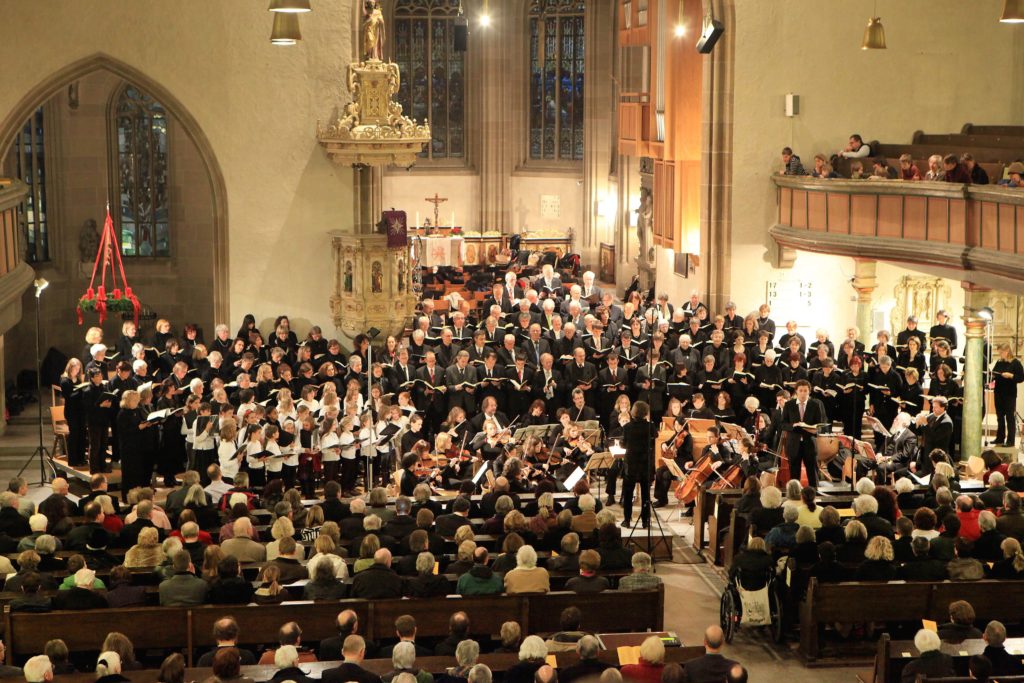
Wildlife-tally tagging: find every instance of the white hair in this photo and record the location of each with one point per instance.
(108, 663)
(286, 656)
(751, 404)
(790, 513)
(770, 354)
(904, 485)
(404, 655)
(587, 503)
(526, 557)
(865, 486)
(771, 497)
(532, 647)
(987, 521)
(926, 641)
(864, 504)
(36, 668)
(467, 652)
(38, 522)
(996, 479)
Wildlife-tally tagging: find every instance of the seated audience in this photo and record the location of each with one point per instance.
(527, 577)
(403, 659)
(641, 579)
(1003, 663)
(878, 562)
(588, 581)
(353, 651)
(588, 666)
(225, 634)
(712, 666)
(961, 623)
(1011, 564)
(532, 655)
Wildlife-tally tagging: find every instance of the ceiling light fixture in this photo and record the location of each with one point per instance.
(1013, 12)
(290, 6)
(286, 29)
(874, 34)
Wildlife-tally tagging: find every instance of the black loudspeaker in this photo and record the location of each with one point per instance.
(713, 30)
(461, 34)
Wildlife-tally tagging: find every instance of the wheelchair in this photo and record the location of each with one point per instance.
(731, 608)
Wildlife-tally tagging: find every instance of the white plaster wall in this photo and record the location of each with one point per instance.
(947, 62)
(526, 195)
(258, 105)
(407, 191)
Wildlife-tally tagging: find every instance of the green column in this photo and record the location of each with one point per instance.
(974, 389)
(864, 282)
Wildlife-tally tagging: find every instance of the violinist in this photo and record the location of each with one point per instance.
(410, 463)
(494, 442)
(413, 433)
(580, 411)
(575, 447)
(680, 450)
(456, 425)
(747, 458)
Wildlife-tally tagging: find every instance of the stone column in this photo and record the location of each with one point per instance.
(367, 199)
(865, 283)
(974, 387)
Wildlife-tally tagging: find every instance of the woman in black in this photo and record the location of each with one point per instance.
(248, 326)
(129, 337)
(409, 478)
(1007, 373)
(74, 411)
(912, 357)
(853, 392)
(131, 433)
(172, 441)
(537, 415)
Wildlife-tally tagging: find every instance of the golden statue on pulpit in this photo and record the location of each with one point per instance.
(373, 31)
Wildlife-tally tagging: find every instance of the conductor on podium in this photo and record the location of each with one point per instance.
(639, 467)
(800, 418)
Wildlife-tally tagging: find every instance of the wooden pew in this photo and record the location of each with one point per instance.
(497, 663)
(25, 634)
(858, 602)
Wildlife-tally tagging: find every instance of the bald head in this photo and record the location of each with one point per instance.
(713, 638)
(382, 556)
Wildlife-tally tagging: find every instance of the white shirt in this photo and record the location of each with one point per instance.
(329, 447)
(228, 462)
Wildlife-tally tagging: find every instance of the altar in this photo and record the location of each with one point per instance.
(439, 250)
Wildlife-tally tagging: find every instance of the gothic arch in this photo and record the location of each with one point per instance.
(55, 82)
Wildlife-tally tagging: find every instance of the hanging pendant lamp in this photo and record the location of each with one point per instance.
(874, 35)
(286, 29)
(1013, 12)
(290, 6)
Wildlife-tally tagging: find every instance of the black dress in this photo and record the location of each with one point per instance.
(172, 444)
(136, 465)
(74, 414)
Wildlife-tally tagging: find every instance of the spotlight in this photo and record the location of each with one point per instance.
(679, 31)
(485, 20)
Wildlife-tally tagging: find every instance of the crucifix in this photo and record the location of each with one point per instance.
(436, 201)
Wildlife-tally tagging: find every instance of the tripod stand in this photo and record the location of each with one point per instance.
(45, 457)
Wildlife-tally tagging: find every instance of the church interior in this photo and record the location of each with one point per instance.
(699, 318)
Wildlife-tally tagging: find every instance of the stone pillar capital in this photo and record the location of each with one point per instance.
(864, 280)
(975, 326)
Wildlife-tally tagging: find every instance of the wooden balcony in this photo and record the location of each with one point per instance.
(634, 124)
(967, 228)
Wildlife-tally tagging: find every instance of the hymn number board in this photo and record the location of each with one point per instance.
(789, 295)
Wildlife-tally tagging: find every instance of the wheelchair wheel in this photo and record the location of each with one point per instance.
(775, 611)
(728, 615)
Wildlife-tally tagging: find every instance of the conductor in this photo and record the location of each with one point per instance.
(639, 467)
(801, 445)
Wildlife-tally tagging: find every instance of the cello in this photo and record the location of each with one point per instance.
(687, 491)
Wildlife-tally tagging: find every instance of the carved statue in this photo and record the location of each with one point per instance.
(88, 241)
(645, 223)
(377, 278)
(373, 31)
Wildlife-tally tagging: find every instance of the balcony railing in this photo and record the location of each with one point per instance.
(970, 228)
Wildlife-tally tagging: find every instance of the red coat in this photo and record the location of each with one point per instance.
(969, 528)
(643, 672)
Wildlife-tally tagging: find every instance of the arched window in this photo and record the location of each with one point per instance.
(433, 84)
(556, 80)
(28, 163)
(140, 174)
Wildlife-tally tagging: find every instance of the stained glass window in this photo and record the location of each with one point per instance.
(556, 80)
(140, 125)
(29, 165)
(432, 72)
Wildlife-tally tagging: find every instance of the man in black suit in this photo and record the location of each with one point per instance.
(225, 633)
(12, 522)
(712, 667)
(460, 396)
(612, 382)
(431, 399)
(548, 284)
(98, 487)
(353, 650)
(901, 449)
(936, 430)
(517, 400)
(448, 524)
(548, 385)
(78, 537)
(931, 663)
(801, 447)
(536, 346)
(637, 438)
(581, 374)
